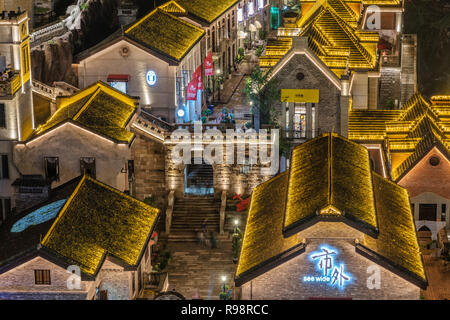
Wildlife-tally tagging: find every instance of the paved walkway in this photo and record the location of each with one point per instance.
(438, 279)
(196, 269)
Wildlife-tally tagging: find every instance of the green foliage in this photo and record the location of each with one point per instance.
(236, 242)
(262, 34)
(263, 93)
(163, 260)
(259, 51)
(390, 105)
(150, 200)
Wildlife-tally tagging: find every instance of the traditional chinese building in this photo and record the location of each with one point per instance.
(84, 229)
(330, 227)
(333, 57)
(411, 145)
(88, 133)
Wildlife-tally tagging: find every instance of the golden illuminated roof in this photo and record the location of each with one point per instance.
(98, 108)
(206, 10)
(324, 172)
(275, 50)
(165, 33)
(333, 35)
(397, 240)
(98, 220)
(172, 7)
(330, 180)
(413, 130)
(263, 239)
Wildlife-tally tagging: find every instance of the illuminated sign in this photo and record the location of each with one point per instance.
(151, 78)
(330, 271)
(240, 15)
(260, 4)
(180, 113)
(251, 9)
(300, 95)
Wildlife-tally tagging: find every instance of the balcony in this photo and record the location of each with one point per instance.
(10, 83)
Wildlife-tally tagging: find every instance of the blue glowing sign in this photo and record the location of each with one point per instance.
(331, 272)
(151, 77)
(41, 215)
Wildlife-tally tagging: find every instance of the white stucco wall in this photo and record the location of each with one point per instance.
(69, 143)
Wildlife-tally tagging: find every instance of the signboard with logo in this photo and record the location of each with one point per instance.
(151, 78)
(329, 268)
(300, 95)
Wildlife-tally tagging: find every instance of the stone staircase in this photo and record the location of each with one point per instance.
(188, 215)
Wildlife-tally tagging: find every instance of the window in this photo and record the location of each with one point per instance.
(52, 168)
(130, 170)
(2, 116)
(443, 211)
(42, 277)
(87, 166)
(5, 167)
(427, 211)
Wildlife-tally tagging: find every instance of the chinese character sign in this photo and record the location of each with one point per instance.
(331, 271)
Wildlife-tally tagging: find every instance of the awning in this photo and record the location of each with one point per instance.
(118, 77)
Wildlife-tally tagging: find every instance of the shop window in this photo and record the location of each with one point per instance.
(427, 211)
(52, 168)
(119, 82)
(5, 167)
(42, 277)
(87, 166)
(2, 116)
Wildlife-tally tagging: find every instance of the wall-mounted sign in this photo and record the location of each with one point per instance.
(300, 95)
(329, 269)
(180, 113)
(151, 78)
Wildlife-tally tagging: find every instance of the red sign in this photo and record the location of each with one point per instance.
(198, 75)
(209, 66)
(192, 90)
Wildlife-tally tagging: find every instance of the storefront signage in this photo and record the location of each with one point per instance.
(300, 95)
(330, 270)
(151, 77)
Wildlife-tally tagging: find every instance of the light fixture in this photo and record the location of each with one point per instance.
(218, 71)
(236, 222)
(224, 278)
(180, 113)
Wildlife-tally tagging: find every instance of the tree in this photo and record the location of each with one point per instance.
(262, 93)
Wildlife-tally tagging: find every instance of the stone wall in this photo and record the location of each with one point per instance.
(328, 108)
(149, 165)
(286, 281)
(389, 87)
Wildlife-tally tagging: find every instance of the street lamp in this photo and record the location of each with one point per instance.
(224, 278)
(236, 224)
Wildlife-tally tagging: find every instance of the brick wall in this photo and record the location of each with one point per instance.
(328, 108)
(286, 280)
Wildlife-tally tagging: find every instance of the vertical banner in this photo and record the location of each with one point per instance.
(192, 89)
(198, 75)
(209, 67)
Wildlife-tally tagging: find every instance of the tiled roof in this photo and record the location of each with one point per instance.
(207, 10)
(263, 239)
(327, 188)
(333, 35)
(98, 108)
(414, 129)
(397, 240)
(98, 220)
(330, 172)
(165, 33)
